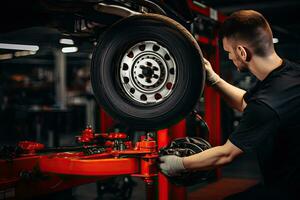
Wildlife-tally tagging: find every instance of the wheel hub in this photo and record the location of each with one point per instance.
(148, 72)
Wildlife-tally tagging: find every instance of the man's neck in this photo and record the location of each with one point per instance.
(261, 67)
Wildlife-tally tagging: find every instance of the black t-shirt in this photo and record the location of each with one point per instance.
(270, 125)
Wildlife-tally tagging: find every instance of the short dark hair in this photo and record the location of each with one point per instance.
(251, 27)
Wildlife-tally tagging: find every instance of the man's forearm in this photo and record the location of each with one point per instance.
(172, 165)
(208, 159)
(231, 94)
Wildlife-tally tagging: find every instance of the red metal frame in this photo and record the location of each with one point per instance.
(212, 99)
(33, 172)
(106, 121)
(177, 131)
(212, 103)
(163, 140)
(202, 9)
(21, 178)
(89, 167)
(212, 106)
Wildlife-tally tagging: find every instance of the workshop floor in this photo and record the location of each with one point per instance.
(221, 188)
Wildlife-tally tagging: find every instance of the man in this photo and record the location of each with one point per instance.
(270, 125)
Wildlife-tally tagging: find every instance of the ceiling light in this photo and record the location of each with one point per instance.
(19, 47)
(6, 56)
(69, 49)
(24, 53)
(66, 41)
(32, 52)
(275, 40)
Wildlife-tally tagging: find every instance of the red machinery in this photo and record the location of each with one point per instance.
(32, 170)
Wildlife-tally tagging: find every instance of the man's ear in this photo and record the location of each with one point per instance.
(242, 52)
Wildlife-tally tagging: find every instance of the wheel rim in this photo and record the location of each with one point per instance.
(148, 73)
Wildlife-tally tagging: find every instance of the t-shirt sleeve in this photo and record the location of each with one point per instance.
(259, 121)
(251, 91)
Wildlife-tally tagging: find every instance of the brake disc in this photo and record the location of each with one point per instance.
(184, 147)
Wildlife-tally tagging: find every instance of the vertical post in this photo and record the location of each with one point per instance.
(60, 78)
(166, 191)
(60, 94)
(90, 115)
(163, 183)
(212, 104)
(105, 121)
(178, 131)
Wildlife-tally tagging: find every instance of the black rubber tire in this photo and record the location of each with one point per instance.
(106, 58)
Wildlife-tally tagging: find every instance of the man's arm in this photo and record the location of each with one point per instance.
(212, 158)
(234, 96)
(172, 165)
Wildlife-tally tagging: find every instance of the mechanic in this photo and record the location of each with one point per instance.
(270, 125)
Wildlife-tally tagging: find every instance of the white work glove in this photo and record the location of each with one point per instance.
(171, 165)
(211, 76)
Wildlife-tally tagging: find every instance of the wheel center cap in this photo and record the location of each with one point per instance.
(147, 71)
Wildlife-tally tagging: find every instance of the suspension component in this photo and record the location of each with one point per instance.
(184, 147)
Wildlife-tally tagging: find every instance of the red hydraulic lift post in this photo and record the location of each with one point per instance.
(163, 140)
(166, 190)
(105, 121)
(212, 105)
(178, 131)
(212, 99)
(212, 102)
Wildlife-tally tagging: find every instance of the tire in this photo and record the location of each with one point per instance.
(147, 71)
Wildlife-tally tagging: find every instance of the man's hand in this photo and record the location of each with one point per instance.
(171, 165)
(211, 76)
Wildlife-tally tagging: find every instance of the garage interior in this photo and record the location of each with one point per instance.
(46, 94)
